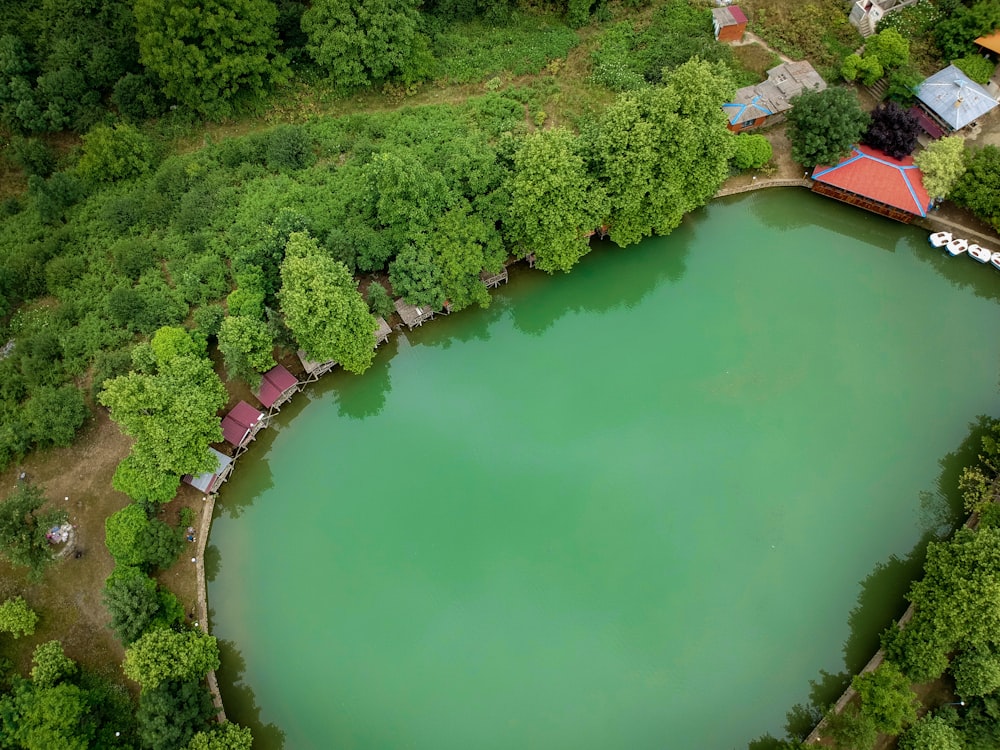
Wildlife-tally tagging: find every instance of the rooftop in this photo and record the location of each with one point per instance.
(953, 97)
(203, 482)
(729, 16)
(239, 423)
(990, 41)
(771, 96)
(274, 384)
(876, 175)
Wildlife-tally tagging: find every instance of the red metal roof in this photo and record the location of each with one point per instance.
(737, 14)
(876, 175)
(275, 382)
(237, 423)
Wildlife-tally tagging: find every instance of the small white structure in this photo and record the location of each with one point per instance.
(940, 239)
(865, 14)
(957, 246)
(995, 261)
(979, 253)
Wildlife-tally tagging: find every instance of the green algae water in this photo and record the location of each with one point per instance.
(628, 507)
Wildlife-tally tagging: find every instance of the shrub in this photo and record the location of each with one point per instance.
(50, 664)
(977, 67)
(288, 148)
(134, 539)
(751, 151)
(53, 415)
(116, 153)
(379, 301)
(17, 618)
(33, 156)
(137, 97)
(208, 319)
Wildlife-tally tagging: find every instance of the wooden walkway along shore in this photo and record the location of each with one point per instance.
(206, 525)
(493, 280)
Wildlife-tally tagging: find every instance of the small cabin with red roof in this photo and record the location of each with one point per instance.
(876, 182)
(241, 425)
(729, 23)
(277, 386)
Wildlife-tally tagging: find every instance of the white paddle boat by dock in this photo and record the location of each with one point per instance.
(979, 253)
(957, 246)
(940, 239)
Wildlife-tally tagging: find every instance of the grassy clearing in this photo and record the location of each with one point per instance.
(817, 30)
(756, 59)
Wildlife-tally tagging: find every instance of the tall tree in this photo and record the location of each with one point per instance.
(246, 345)
(886, 698)
(942, 163)
(931, 733)
(131, 597)
(171, 413)
(555, 204)
(50, 664)
(210, 54)
(222, 737)
(162, 654)
(366, 41)
(172, 712)
(323, 308)
(665, 151)
(823, 125)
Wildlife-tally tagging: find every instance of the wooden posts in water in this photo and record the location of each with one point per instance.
(382, 333)
(493, 280)
(412, 315)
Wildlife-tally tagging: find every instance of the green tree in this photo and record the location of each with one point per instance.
(134, 539)
(55, 414)
(978, 68)
(978, 189)
(365, 41)
(246, 345)
(17, 618)
(931, 733)
(162, 654)
(132, 599)
(379, 301)
(886, 698)
(851, 729)
(554, 202)
(117, 153)
(140, 477)
(889, 47)
(957, 30)
(222, 737)
(867, 69)
(415, 276)
(823, 125)
(210, 55)
(323, 308)
(665, 151)
(976, 672)
(172, 712)
(51, 717)
(22, 528)
(942, 163)
(51, 665)
(172, 414)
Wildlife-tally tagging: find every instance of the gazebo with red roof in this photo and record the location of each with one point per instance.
(277, 386)
(877, 182)
(241, 425)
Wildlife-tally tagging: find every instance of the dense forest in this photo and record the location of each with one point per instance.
(139, 272)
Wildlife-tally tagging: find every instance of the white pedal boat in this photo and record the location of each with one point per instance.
(979, 253)
(940, 239)
(957, 246)
(995, 261)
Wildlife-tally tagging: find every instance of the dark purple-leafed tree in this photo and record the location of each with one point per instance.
(893, 130)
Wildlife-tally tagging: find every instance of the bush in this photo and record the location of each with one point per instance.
(288, 148)
(379, 301)
(50, 664)
(134, 539)
(17, 618)
(53, 415)
(116, 153)
(32, 156)
(208, 319)
(137, 97)
(977, 67)
(751, 151)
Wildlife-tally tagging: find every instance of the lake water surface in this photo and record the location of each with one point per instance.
(628, 507)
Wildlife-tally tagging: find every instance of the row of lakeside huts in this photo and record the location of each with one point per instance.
(241, 424)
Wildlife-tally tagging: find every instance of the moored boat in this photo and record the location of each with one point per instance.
(979, 253)
(940, 239)
(995, 261)
(957, 246)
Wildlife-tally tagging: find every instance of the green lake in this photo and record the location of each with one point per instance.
(640, 506)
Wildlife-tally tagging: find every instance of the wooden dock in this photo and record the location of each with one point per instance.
(382, 333)
(493, 280)
(315, 370)
(412, 315)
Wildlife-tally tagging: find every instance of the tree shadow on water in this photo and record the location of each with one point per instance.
(360, 396)
(595, 290)
(251, 478)
(240, 702)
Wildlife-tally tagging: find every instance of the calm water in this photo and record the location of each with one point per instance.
(631, 507)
